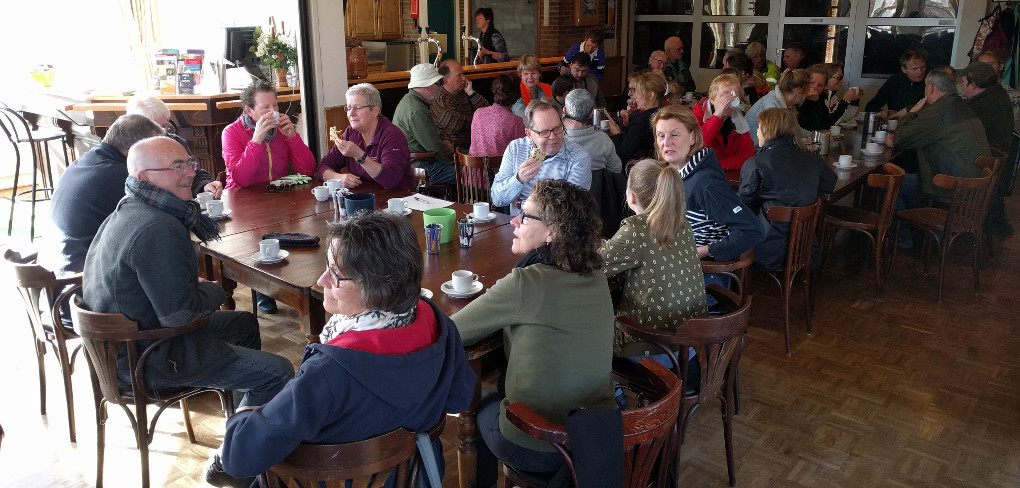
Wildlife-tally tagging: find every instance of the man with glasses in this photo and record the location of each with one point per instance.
(142, 264)
(658, 63)
(414, 116)
(541, 154)
(579, 67)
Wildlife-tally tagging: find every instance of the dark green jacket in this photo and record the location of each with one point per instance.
(413, 117)
(947, 136)
(995, 110)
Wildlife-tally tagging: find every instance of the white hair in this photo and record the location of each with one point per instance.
(149, 106)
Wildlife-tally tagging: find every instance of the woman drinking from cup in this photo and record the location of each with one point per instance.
(384, 159)
(723, 124)
(783, 173)
(655, 253)
(556, 316)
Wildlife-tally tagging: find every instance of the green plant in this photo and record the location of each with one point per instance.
(267, 47)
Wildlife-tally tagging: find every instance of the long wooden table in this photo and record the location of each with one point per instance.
(293, 281)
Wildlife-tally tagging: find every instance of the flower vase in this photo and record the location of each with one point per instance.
(281, 73)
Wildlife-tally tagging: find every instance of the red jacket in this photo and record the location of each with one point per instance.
(526, 94)
(733, 150)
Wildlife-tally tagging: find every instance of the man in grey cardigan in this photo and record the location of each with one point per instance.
(577, 109)
(142, 264)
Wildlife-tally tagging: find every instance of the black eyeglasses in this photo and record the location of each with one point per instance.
(544, 134)
(837, 78)
(524, 216)
(335, 277)
(179, 166)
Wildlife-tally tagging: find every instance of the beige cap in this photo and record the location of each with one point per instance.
(423, 75)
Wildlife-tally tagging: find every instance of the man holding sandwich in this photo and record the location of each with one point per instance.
(541, 154)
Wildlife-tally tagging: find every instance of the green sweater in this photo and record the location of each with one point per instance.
(947, 136)
(558, 337)
(414, 117)
(662, 287)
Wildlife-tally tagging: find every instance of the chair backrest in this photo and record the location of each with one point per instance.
(13, 126)
(737, 270)
(360, 461)
(969, 202)
(647, 431)
(474, 177)
(40, 292)
(106, 334)
(890, 181)
(801, 236)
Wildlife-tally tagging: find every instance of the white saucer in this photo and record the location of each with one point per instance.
(848, 125)
(845, 168)
(492, 215)
(405, 213)
(427, 293)
(476, 287)
(257, 257)
(226, 213)
(877, 153)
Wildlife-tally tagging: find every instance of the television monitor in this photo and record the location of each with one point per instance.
(239, 41)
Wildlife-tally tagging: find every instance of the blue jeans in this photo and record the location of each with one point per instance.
(256, 374)
(717, 279)
(439, 172)
(493, 446)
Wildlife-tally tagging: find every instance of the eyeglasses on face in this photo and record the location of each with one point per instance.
(657, 60)
(352, 108)
(544, 134)
(179, 166)
(335, 278)
(840, 77)
(524, 216)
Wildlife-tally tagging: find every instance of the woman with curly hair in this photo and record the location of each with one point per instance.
(556, 316)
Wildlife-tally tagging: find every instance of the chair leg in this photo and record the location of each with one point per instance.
(142, 438)
(786, 314)
(727, 418)
(65, 371)
(978, 260)
(895, 245)
(877, 242)
(101, 415)
(808, 309)
(14, 189)
(187, 420)
(40, 352)
(943, 254)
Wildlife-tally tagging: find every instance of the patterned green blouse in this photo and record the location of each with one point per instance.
(662, 287)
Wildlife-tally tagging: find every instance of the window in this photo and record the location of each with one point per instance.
(719, 37)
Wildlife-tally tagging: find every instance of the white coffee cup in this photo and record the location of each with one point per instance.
(214, 208)
(269, 248)
(276, 117)
(892, 124)
(481, 210)
(604, 125)
(845, 160)
(203, 199)
(872, 147)
(462, 280)
(689, 97)
(396, 205)
(334, 184)
(835, 130)
(880, 136)
(736, 100)
(856, 89)
(321, 193)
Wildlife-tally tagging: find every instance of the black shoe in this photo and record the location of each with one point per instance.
(216, 476)
(265, 303)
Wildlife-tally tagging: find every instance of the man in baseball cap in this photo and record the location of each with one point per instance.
(413, 117)
(986, 97)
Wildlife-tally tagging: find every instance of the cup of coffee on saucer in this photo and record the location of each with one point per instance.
(836, 132)
(880, 137)
(395, 205)
(845, 161)
(203, 199)
(269, 249)
(464, 281)
(334, 184)
(481, 211)
(214, 208)
(321, 193)
(872, 148)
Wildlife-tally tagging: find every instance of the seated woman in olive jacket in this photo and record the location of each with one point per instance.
(783, 173)
(556, 316)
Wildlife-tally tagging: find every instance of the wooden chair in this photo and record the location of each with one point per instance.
(648, 434)
(718, 343)
(425, 187)
(19, 131)
(43, 295)
(736, 270)
(800, 241)
(105, 335)
(474, 177)
(965, 215)
(873, 224)
(366, 463)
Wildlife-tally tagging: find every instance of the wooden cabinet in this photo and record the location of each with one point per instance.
(374, 19)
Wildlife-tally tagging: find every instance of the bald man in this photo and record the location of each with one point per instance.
(676, 68)
(657, 63)
(142, 264)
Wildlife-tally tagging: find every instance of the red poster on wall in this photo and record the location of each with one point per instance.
(414, 9)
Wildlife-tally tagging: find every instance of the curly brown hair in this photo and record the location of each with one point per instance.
(570, 211)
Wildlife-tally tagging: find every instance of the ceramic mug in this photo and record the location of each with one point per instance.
(845, 160)
(835, 130)
(269, 249)
(334, 184)
(203, 199)
(463, 280)
(321, 193)
(214, 208)
(395, 205)
(481, 210)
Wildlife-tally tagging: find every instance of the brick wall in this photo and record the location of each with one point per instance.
(561, 33)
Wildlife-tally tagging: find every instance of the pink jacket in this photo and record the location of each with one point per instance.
(249, 162)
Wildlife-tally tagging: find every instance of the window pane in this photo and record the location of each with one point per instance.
(717, 38)
(663, 7)
(651, 36)
(939, 9)
(822, 43)
(885, 43)
(818, 8)
(735, 7)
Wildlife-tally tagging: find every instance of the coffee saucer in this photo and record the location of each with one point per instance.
(426, 293)
(476, 287)
(257, 257)
(492, 215)
(226, 213)
(845, 168)
(869, 153)
(405, 213)
(848, 125)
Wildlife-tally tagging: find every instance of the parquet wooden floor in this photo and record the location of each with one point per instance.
(891, 392)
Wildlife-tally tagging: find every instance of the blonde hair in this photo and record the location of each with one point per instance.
(793, 79)
(754, 48)
(724, 80)
(649, 82)
(529, 62)
(684, 116)
(659, 189)
(775, 123)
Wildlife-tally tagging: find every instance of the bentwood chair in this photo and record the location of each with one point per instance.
(474, 177)
(18, 132)
(365, 464)
(44, 295)
(965, 215)
(426, 187)
(874, 224)
(108, 336)
(649, 435)
(737, 270)
(718, 343)
(799, 244)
